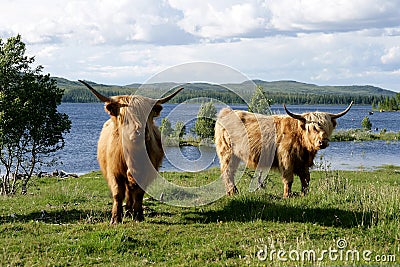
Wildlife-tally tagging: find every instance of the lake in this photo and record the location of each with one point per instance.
(79, 153)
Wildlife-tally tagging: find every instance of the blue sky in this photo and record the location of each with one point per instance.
(323, 42)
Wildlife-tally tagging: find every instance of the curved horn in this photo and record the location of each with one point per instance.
(293, 115)
(97, 94)
(165, 99)
(340, 114)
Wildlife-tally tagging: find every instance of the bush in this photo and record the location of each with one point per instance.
(366, 124)
(166, 128)
(260, 103)
(361, 135)
(179, 130)
(205, 123)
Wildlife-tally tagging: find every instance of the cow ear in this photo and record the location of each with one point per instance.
(113, 108)
(157, 110)
(334, 123)
(302, 125)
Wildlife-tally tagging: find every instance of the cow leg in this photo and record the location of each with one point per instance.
(118, 193)
(129, 200)
(229, 165)
(134, 201)
(287, 179)
(305, 181)
(138, 194)
(287, 189)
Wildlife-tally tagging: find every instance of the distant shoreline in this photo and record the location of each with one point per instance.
(347, 135)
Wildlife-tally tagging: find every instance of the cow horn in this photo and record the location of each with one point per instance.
(293, 115)
(97, 94)
(340, 114)
(165, 99)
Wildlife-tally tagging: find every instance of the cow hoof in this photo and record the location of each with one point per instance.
(289, 195)
(304, 192)
(115, 220)
(129, 213)
(139, 218)
(233, 191)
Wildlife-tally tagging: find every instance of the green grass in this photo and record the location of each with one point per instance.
(362, 135)
(64, 222)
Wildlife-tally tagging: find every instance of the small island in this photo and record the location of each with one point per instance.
(389, 104)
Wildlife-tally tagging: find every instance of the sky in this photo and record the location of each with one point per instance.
(324, 42)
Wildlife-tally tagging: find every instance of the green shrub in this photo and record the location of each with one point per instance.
(366, 124)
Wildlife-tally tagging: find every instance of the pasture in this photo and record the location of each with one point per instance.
(348, 218)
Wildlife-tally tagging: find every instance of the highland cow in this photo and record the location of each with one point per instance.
(129, 149)
(287, 143)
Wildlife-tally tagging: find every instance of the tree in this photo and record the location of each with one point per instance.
(179, 130)
(373, 105)
(166, 128)
(390, 104)
(205, 123)
(260, 103)
(393, 104)
(31, 128)
(366, 124)
(398, 100)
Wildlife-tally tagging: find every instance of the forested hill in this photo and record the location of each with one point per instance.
(290, 92)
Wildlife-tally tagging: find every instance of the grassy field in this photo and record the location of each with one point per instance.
(348, 218)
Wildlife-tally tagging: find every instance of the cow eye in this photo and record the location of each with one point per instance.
(135, 135)
(314, 127)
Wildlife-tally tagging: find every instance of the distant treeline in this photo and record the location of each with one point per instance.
(388, 103)
(313, 99)
(80, 95)
(75, 95)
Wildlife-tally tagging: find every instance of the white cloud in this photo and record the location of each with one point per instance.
(101, 22)
(220, 19)
(187, 21)
(47, 51)
(392, 56)
(330, 42)
(338, 15)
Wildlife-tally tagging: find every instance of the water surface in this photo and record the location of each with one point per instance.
(79, 154)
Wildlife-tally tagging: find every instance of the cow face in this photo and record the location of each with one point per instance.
(139, 108)
(136, 116)
(317, 126)
(134, 125)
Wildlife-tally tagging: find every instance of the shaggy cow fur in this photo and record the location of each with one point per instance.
(286, 143)
(129, 149)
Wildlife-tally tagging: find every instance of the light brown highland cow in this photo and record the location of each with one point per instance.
(129, 149)
(287, 143)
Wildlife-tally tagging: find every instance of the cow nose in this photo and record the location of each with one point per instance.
(323, 143)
